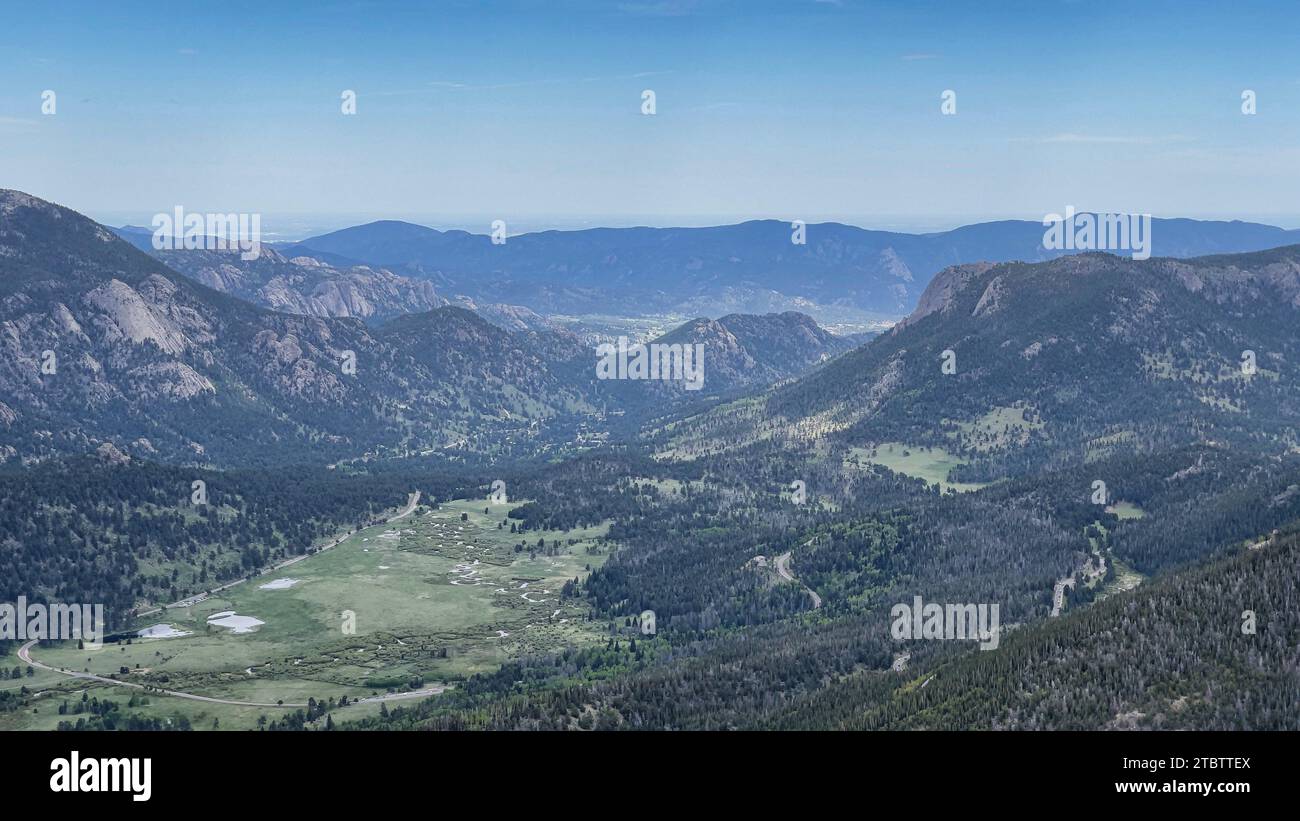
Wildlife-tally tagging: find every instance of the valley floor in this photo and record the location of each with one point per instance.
(394, 611)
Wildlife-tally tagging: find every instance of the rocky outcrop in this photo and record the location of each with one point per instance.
(942, 290)
(304, 285)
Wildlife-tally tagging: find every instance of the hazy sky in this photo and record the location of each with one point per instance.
(531, 111)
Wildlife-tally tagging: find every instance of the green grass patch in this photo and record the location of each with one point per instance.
(439, 595)
(1126, 510)
(931, 465)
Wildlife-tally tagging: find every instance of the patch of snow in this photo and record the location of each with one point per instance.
(279, 584)
(161, 631)
(237, 624)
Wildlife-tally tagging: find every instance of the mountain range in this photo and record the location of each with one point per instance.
(103, 343)
(838, 271)
(1171, 381)
(299, 285)
(1061, 360)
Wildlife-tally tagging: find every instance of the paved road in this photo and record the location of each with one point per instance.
(783, 567)
(431, 691)
(410, 506)
(1058, 594)
(25, 652)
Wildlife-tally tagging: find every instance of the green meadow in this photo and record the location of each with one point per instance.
(1126, 510)
(932, 465)
(431, 598)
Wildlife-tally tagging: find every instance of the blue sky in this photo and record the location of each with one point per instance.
(530, 111)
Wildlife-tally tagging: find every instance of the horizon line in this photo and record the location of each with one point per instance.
(553, 224)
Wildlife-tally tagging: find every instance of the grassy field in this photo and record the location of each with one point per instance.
(999, 428)
(1126, 510)
(931, 465)
(441, 594)
(1126, 578)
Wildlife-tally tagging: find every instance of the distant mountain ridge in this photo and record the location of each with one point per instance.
(750, 267)
(1016, 363)
(101, 343)
(301, 285)
(321, 285)
(745, 350)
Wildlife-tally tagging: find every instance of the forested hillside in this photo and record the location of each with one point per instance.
(131, 535)
(1015, 366)
(738, 647)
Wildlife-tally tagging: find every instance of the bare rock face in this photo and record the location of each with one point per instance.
(991, 299)
(509, 317)
(123, 314)
(303, 285)
(942, 290)
(894, 265)
(1285, 277)
(101, 342)
(11, 201)
(1229, 280)
(109, 453)
(171, 380)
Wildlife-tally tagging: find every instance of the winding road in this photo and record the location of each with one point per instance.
(25, 654)
(783, 567)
